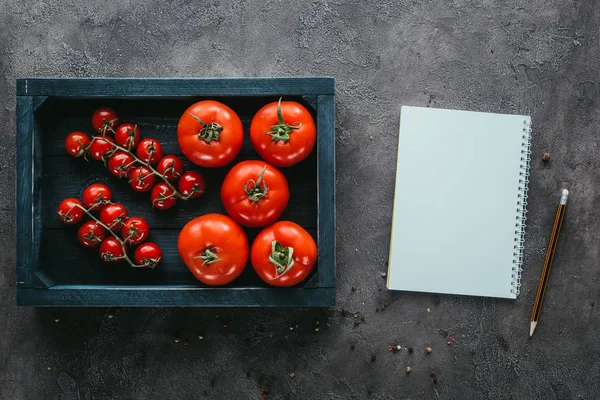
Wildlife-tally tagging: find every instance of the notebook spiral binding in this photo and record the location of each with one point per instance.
(521, 209)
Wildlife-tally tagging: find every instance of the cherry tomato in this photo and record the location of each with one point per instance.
(210, 134)
(127, 136)
(147, 254)
(192, 184)
(254, 193)
(91, 234)
(171, 167)
(283, 133)
(96, 196)
(113, 216)
(283, 254)
(135, 230)
(101, 146)
(120, 164)
(76, 143)
(111, 250)
(141, 179)
(214, 248)
(163, 197)
(149, 151)
(69, 211)
(104, 120)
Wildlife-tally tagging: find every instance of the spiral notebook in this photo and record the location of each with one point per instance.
(460, 202)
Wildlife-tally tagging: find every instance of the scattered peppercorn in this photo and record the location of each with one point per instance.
(546, 157)
(432, 373)
(410, 350)
(345, 310)
(434, 380)
(352, 347)
(452, 336)
(354, 288)
(373, 358)
(377, 309)
(264, 395)
(390, 347)
(408, 370)
(428, 350)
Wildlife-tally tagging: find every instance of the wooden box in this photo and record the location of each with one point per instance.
(53, 269)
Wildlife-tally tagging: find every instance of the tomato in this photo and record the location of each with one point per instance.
(192, 184)
(96, 196)
(111, 250)
(90, 234)
(142, 179)
(171, 167)
(255, 193)
(214, 248)
(283, 133)
(283, 254)
(148, 255)
(127, 136)
(210, 134)
(113, 216)
(76, 143)
(149, 151)
(69, 211)
(101, 146)
(120, 164)
(135, 230)
(163, 197)
(104, 120)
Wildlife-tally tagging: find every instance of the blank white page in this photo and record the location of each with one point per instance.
(455, 203)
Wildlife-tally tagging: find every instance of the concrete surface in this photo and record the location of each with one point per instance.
(537, 56)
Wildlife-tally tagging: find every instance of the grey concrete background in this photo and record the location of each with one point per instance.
(538, 57)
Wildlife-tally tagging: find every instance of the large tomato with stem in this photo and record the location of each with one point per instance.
(283, 133)
(255, 193)
(214, 248)
(283, 254)
(210, 134)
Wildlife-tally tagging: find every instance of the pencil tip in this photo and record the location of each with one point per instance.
(532, 328)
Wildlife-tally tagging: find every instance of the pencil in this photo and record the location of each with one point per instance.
(539, 299)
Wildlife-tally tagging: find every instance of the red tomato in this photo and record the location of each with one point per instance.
(141, 179)
(120, 164)
(90, 234)
(148, 255)
(214, 248)
(104, 120)
(69, 211)
(135, 230)
(127, 136)
(163, 197)
(283, 133)
(149, 151)
(192, 184)
(210, 134)
(96, 196)
(283, 254)
(101, 146)
(76, 143)
(255, 193)
(111, 250)
(171, 167)
(113, 216)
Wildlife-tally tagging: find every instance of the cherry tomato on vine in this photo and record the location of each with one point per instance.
(149, 150)
(113, 216)
(96, 196)
(111, 250)
(76, 143)
(171, 167)
(69, 211)
(147, 254)
(254, 193)
(135, 230)
(214, 248)
(283, 254)
(120, 164)
(141, 179)
(192, 184)
(163, 197)
(91, 234)
(210, 134)
(127, 135)
(104, 120)
(101, 146)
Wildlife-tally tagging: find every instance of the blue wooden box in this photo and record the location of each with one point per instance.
(54, 270)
